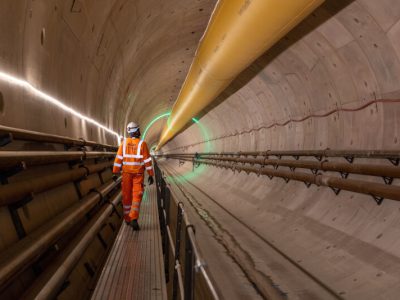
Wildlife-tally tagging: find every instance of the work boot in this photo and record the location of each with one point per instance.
(135, 225)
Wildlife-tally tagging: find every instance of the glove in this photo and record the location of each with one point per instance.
(150, 180)
(115, 177)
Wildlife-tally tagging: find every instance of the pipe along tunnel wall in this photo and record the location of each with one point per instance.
(332, 82)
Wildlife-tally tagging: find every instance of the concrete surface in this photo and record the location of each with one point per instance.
(325, 85)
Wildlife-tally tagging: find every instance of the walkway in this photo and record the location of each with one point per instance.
(134, 268)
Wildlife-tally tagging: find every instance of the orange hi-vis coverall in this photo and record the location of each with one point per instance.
(133, 157)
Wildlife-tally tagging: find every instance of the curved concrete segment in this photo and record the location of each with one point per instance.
(330, 83)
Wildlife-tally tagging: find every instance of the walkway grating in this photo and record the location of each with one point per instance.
(134, 268)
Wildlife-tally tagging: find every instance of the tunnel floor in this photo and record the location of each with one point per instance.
(134, 268)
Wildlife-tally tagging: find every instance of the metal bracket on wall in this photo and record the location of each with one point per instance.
(350, 159)
(335, 190)
(102, 241)
(196, 155)
(114, 209)
(196, 164)
(394, 161)
(23, 202)
(19, 228)
(77, 188)
(13, 208)
(377, 199)
(16, 219)
(387, 180)
(318, 157)
(21, 166)
(5, 139)
(89, 269)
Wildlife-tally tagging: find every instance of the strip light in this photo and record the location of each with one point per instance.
(29, 87)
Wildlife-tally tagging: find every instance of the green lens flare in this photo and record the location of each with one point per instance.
(206, 137)
(195, 172)
(164, 115)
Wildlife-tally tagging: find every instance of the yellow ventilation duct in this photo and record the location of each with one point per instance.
(238, 33)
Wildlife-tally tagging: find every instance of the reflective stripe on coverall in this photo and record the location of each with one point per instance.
(133, 158)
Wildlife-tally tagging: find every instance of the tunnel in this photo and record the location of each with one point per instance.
(274, 132)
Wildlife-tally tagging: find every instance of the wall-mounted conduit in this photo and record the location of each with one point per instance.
(269, 167)
(92, 210)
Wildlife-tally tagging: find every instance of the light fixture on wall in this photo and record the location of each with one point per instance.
(29, 87)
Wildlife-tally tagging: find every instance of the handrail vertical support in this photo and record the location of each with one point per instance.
(189, 267)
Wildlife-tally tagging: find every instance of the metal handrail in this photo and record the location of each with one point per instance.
(192, 252)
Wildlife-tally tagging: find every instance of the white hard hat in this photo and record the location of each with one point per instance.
(132, 127)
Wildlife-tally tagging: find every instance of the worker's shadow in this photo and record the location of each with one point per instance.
(326, 11)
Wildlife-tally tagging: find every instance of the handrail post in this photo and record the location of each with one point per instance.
(189, 266)
(183, 280)
(161, 200)
(179, 220)
(165, 215)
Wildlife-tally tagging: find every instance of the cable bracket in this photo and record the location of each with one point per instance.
(5, 139)
(378, 199)
(388, 180)
(308, 184)
(349, 158)
(394, 161)
(336, 190)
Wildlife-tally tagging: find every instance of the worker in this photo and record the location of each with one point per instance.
(133, 158)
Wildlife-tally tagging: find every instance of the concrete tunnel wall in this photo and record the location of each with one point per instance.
(344, 56)
(122, 60)
(111, 60)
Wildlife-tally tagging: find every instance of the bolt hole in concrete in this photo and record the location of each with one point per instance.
(1, 103)
(42, 36)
